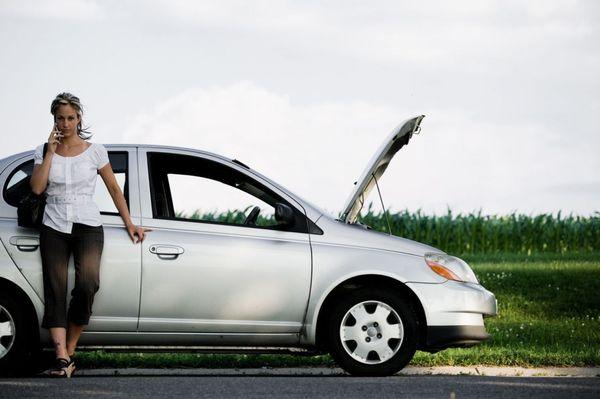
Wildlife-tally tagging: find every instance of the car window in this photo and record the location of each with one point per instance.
(118, 161)
(199, 190)
(196, 197)
(17, 184)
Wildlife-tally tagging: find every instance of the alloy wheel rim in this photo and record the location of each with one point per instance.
(7, 331)
(371, 332)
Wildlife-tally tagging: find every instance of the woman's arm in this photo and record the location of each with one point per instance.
(118, 198)
(39, 176)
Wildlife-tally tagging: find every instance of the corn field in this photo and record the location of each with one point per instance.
(232, 217)
(475, 233)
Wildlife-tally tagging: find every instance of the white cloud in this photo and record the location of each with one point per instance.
(319, 150)
(56, 9)
(388, 31)
(510, 90)
(308, 148)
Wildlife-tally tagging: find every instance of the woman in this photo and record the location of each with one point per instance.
(71, 224)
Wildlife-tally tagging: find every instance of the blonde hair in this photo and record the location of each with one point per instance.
(72, 100)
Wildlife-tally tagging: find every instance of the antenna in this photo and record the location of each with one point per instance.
(387, 219)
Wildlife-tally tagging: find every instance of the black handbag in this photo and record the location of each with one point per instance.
(30, 211)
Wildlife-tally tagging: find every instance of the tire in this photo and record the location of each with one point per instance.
(16, 337)
(372, 333)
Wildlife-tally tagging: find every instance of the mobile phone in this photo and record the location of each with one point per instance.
(57, 131)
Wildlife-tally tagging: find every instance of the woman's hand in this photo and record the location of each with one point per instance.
(54, 139)
(134, 231)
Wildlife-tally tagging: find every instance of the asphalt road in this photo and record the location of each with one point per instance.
(261, 386)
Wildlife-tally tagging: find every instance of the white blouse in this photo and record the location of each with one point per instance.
(71, 186)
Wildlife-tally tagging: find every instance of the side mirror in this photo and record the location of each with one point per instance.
(284, 214)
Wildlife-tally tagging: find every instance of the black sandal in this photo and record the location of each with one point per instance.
(63, 368)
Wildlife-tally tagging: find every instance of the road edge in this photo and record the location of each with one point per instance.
(325, 371)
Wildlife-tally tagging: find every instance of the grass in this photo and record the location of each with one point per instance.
(549, 316)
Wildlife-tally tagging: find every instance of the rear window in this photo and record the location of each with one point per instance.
(17, 184)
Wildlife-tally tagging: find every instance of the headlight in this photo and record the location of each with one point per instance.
(451, 267)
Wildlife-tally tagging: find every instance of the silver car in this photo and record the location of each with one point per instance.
(275, 273)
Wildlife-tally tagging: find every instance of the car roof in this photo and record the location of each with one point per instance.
(10, 158)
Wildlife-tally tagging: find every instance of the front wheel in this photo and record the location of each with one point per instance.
(372, 333)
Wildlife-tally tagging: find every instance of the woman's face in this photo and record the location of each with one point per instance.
(66, 120)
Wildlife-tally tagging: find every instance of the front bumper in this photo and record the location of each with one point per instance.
(454, 313)
(442, 337)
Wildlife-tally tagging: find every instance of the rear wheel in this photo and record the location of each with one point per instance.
(372, 333)
(16, 337)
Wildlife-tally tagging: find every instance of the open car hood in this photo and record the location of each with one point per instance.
(377, 165)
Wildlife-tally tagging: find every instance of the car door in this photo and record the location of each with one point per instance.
(116, 303)
(204, 270)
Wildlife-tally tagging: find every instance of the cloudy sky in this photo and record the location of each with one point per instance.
(306, 91)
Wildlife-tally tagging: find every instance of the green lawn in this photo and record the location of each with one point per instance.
(549, 316)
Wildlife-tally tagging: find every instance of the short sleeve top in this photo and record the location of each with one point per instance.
(71, 187)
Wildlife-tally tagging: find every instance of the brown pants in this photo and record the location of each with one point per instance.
(86, 244)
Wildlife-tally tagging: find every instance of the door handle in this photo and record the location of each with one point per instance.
(25, 244)
(166, 251)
